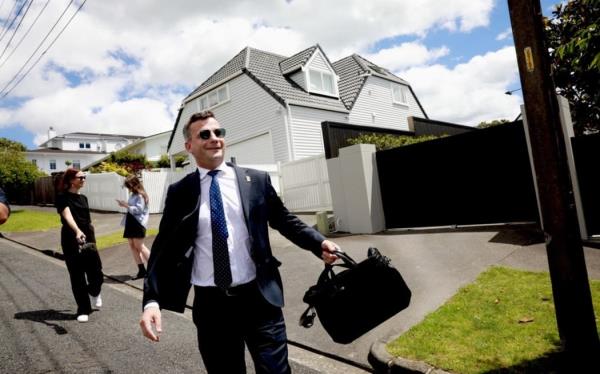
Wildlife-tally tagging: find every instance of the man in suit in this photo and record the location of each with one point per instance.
(4, 207)
(214, 235)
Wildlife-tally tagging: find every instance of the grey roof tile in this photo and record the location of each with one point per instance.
(296, 61)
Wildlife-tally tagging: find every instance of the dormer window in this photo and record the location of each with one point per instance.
(321, 82)
(399, 94)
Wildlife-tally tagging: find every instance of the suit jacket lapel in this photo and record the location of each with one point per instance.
(194, 193)
(244, 185)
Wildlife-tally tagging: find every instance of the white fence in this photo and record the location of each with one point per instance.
(103, 189)
(305, 185)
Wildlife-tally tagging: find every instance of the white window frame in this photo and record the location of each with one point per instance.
(219, 96)
(403, 90)
(321, 73)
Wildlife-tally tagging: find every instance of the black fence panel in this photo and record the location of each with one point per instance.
(586, 151)
(477, 177)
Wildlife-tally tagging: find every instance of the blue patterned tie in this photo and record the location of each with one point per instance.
(221, 265)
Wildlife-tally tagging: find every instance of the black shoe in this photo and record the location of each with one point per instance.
(140, 274)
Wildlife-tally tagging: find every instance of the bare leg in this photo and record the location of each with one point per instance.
(142, 251)
(134, 251)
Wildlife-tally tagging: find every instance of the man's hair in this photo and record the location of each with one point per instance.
(196, 117)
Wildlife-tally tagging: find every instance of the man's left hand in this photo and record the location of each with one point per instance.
(328, 254)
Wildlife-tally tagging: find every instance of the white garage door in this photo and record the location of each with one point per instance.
(256, 150)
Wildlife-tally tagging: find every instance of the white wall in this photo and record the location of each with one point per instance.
(43, 159)
(376, 97)
(307, 136)
(153, 147)
(249, 112)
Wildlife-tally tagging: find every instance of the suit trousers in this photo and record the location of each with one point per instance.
(225, 320)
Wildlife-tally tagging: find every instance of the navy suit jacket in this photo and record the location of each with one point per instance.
(171, 258)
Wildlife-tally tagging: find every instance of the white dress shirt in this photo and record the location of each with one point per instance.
(243, 269)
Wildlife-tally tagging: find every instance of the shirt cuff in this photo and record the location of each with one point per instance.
(152, 304)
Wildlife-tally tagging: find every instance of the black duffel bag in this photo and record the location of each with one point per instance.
(356, 300)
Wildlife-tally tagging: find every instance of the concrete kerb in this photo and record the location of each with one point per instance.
(383, 362)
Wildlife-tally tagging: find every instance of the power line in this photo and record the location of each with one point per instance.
(43, 53)
(16, 29)
(38, 47)
(25, 34)
(8, 15)
(13, 20)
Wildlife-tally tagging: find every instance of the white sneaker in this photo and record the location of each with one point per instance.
(82, 318)
(97, 301)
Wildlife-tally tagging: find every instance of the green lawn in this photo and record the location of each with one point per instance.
(505, 319)
(116, 238)
(31, 220)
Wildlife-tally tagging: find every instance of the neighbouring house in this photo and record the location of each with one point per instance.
(76, 149)
(153, 147)
(273, 105)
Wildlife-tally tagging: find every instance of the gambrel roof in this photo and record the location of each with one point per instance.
(271, 71)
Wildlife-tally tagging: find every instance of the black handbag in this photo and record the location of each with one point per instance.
(354, 301)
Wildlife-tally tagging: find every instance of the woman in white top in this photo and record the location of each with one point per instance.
(135, 222)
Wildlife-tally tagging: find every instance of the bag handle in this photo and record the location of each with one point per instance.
(348, 261)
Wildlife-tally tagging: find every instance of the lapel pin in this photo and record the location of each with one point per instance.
(248, 178)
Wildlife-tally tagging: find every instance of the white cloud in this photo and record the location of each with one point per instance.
(505, 34)
(406, 55)
(124, 66)
(471, 92)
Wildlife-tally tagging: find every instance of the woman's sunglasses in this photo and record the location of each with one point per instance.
(205, 134)
(81, 178)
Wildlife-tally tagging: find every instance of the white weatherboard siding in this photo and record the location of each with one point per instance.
(256, 150)
(376, 97)
(300, 78)
(319, 62)
(250, 112)
(42, 159)
(307, 136)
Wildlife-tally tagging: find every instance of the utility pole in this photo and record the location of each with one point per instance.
(568, 274)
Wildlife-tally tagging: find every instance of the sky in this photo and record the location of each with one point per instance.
(123, 67)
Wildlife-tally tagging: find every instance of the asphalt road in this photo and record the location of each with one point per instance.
(39, 333)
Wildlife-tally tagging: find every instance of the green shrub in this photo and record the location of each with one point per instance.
(387, 141)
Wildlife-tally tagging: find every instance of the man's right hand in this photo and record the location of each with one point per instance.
(151, 316)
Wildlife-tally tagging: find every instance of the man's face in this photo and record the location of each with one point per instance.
(209, 153)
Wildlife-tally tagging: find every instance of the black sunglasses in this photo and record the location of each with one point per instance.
(82, 178)
(205, 134)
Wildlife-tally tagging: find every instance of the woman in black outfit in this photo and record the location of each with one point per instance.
(77, 230)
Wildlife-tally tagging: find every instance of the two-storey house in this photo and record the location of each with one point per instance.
(76, 149)
(273, 105)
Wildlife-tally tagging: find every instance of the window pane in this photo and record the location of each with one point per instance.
(203, 103)
(315, 80)
(213, 99)
(80, 145)
(76, 164)
(52, 164)
(222, 94)
(87, 145)
(328, 83)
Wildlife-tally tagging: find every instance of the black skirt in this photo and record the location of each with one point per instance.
(133, 229)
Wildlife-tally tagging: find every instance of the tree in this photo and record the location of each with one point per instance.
(496, 122)
(573, 38)
(16, 173)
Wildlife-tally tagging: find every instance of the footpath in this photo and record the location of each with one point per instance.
(435, 264)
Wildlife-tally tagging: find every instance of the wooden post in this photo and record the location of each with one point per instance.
(570, 285)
